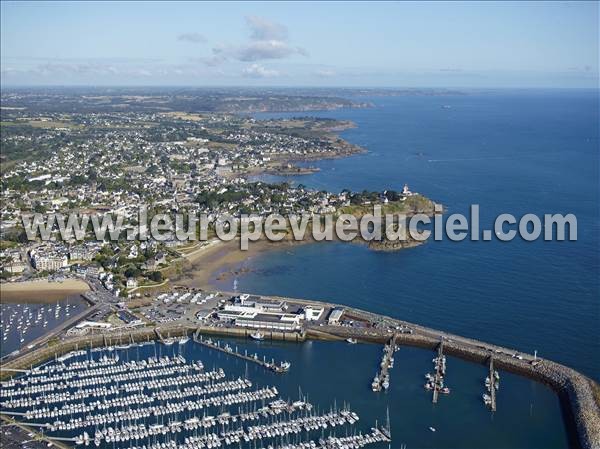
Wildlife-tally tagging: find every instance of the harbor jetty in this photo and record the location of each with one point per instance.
(436, 382)
(381, 381)
(281, 367)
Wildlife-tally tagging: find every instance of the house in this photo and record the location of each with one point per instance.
(15, 267)
(160, 258)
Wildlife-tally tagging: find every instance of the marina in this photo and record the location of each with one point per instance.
(149, 393)
(128, 377)
(22, 323)
(138, 397)
(329, 372)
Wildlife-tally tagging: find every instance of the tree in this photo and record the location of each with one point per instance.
(39, 208)
(155, 276)
(132, 271)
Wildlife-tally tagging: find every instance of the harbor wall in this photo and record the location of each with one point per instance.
(56, 349)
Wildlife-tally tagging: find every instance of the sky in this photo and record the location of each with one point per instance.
(377, 44)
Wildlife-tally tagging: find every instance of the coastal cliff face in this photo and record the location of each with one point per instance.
(393, 245)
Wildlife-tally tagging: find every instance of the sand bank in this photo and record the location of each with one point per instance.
(41, 290)
(209, 264)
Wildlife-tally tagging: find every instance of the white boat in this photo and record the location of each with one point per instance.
(375, 385)
(432, 429)
(352, 341)
(184, 340)
(257, 335)
(285, 366)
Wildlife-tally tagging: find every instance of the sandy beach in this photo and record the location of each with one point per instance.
(41, 290)
(216, 261)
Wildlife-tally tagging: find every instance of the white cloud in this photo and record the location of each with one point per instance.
(259, 71)
(264, 29)
(268, 40)
(260, 50)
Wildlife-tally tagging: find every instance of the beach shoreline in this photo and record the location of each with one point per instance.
(223, 259)
(41, 290)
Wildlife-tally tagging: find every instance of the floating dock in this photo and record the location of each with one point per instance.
(381, 381)
(440, 372)
(491, 383)
(281, 367)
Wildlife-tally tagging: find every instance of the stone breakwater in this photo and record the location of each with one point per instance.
(574, 389)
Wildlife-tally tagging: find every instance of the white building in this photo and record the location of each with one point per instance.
(313, 313)
(50, 263)
(335, 316)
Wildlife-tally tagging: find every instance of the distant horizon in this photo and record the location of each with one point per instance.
(285, 87)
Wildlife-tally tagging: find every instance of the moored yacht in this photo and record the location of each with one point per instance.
(257, 335)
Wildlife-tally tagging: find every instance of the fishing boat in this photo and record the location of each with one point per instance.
(257, 336)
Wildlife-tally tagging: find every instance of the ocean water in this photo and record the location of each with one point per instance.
(518, 152)
(510, 152)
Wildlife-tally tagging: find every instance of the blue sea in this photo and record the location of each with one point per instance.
(517, 152)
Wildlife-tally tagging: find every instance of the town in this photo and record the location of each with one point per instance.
(112, 163)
